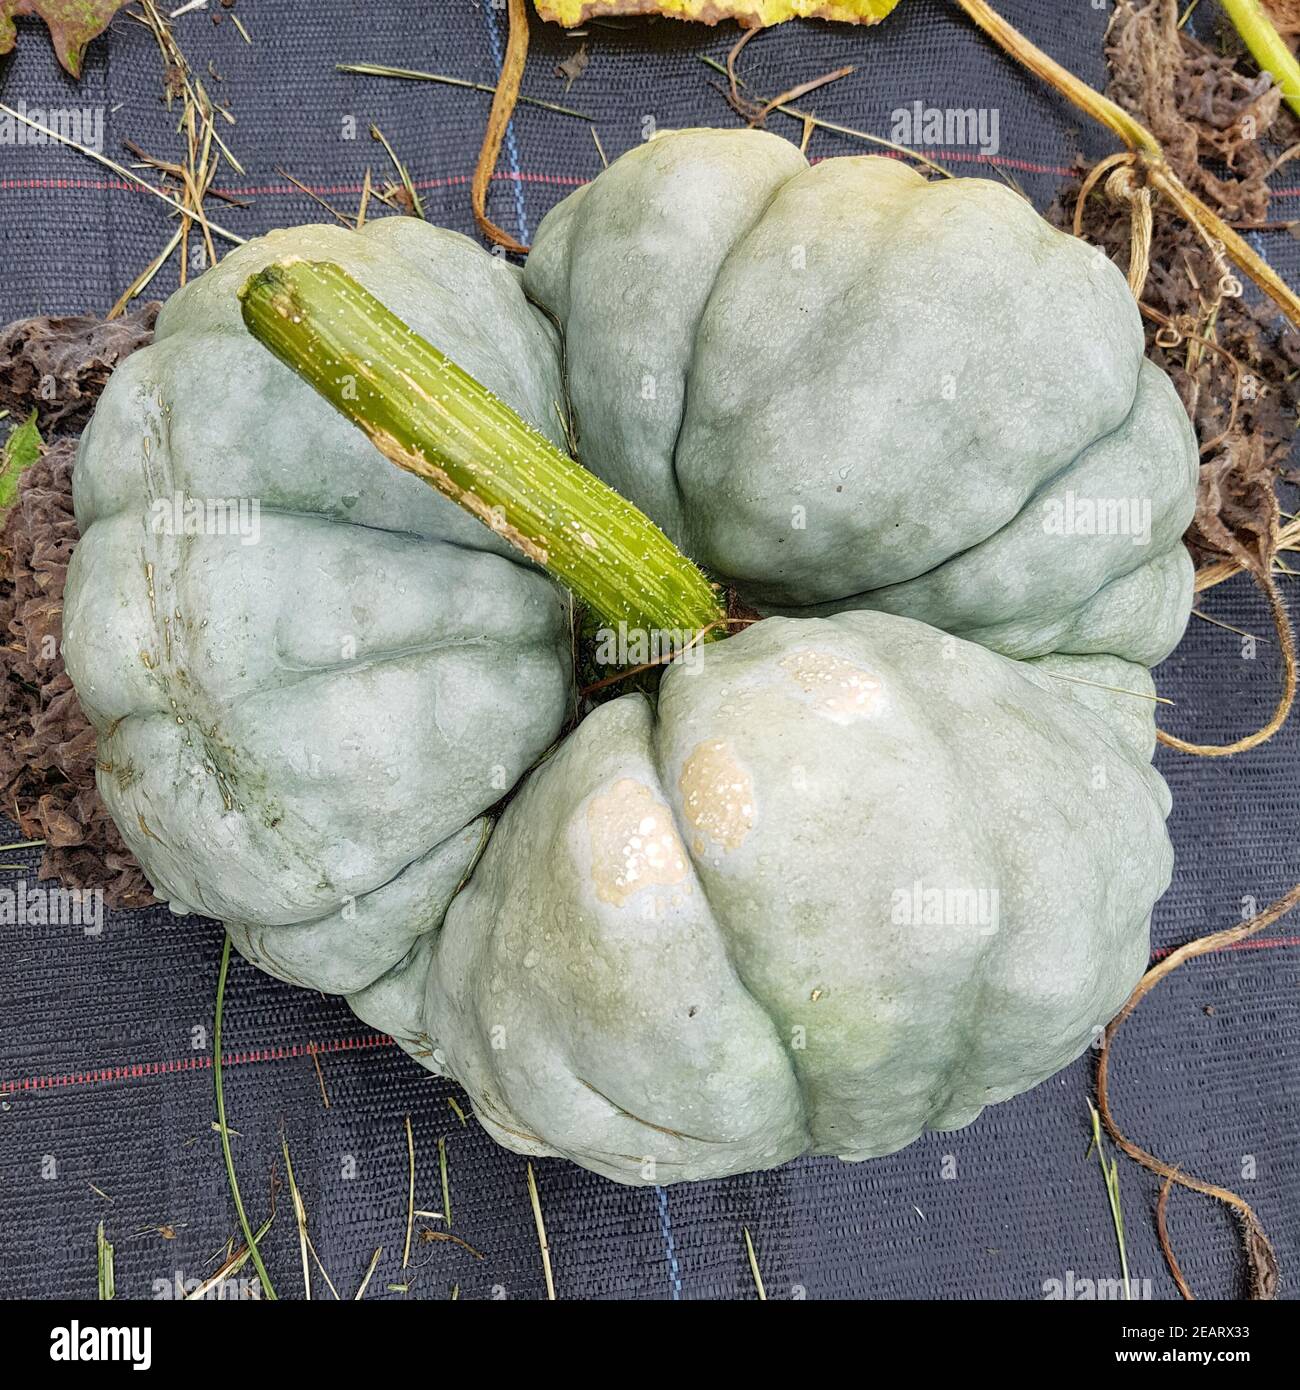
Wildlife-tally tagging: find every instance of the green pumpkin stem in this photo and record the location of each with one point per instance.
(430, 417)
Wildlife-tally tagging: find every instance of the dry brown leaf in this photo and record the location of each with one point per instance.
(1285, 15)
(1236, 506)
(72, 25)
(1216, 125)
(573, 66)
(47, 748)
(58, 366)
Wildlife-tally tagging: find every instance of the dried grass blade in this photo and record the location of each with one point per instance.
(219, 1088)
(753, 1265)
(104, 1264)
(446, 1185)
(299, 1216)
(1110, 1176)
(142, 281)
(542, 1243)
(315, 197)
(233, 1264)
(410, 1203)
(416, 205)
(413, 75)
(795, 93)
(122, 172)
(365, 1283)
(797, 113)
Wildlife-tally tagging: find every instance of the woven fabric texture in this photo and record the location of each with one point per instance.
(105, 1040)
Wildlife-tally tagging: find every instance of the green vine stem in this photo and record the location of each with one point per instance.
(268, 1289)
(1266, 47)
(1146, 149)
(429, 416)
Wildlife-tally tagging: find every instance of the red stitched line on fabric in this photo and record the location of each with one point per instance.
(459, 180)
(288, 190)
(131, 1071)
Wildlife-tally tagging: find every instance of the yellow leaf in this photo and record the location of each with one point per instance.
(751, 12)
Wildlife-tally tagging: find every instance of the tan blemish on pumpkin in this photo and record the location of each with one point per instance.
(835, 687)
(634, 843)
(395, 452)
(717, 794)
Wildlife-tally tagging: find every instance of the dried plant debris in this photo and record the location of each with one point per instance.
(1199, 103)
(1285, 14)
(572, 68)
(58, 366)
(1235, 363)
(72, 25)
(1236, 506)
(47, 749)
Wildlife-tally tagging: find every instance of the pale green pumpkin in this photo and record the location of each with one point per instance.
(844, 386)
(300, 735)
(852, 876)
(851, 880)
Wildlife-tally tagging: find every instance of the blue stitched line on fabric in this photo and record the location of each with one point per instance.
(512, 146)
(666, 1226)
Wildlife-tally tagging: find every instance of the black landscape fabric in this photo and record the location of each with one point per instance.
(106, 1097)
